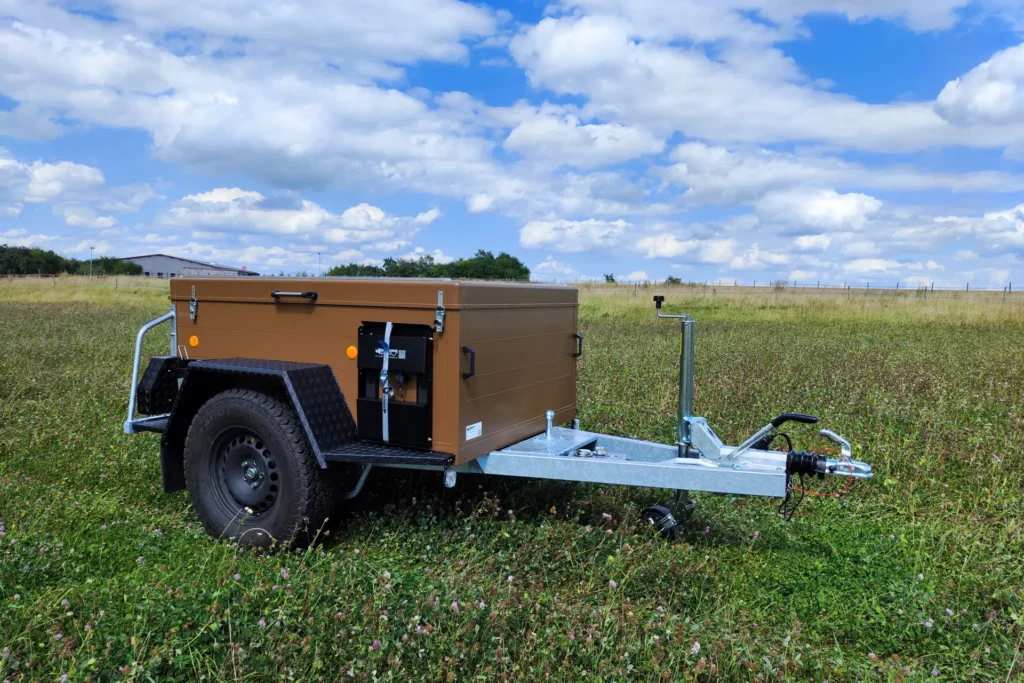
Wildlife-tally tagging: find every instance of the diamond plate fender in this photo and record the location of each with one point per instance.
(311, 389)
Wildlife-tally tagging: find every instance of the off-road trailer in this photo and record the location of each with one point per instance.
(259, 441)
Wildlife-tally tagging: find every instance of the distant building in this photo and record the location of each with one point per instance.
(164, 266)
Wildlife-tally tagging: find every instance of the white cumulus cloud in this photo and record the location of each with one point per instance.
(565, 140)
(817, 208)
(573, 236)
(237, 210)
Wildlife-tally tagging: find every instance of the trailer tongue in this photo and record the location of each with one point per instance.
(699, 461)
(248, 436)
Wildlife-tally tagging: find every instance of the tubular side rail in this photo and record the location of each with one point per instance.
(129, 424)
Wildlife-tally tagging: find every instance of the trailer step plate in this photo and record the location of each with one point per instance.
(381, 454)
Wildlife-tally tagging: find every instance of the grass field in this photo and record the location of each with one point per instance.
(914, 575)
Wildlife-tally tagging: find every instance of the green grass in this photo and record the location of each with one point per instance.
(104, 577)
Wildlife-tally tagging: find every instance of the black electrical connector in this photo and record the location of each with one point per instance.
(802, 462)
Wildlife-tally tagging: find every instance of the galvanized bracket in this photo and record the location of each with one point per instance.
(704, 439)
(193, 305)
(439, 313)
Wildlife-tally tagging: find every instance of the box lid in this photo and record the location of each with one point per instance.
(376, 292)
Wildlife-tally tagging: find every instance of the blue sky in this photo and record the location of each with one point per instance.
(806, 140)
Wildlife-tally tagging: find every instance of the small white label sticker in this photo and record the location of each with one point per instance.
(474, 431)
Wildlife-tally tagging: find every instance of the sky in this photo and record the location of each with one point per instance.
(837, 141)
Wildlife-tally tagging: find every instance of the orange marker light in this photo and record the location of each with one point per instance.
(352, 352)
(193, 341)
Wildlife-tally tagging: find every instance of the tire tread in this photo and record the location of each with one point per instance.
(315, 492)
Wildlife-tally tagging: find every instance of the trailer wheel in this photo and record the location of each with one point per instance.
(251, 474)
(662, 519)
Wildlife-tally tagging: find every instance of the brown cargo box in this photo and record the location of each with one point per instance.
(519, 339)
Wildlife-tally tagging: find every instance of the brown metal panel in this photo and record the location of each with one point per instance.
(524, 366)
(517, 323)
(498, 355)
(522, 335)
(516, 294)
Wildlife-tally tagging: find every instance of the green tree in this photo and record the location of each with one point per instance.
(673, 280)
(356, 270)
(108, 265)
(608, 277)
(484, 265)
(33, 261)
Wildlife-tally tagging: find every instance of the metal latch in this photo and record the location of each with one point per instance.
(439, 313)
(193, 305)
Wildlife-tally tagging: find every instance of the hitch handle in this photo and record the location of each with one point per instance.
(783, 418)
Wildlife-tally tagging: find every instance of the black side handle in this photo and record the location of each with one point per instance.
(794, 417)
(579, 345)
(301, 295)
(658, 301)
(472, 362)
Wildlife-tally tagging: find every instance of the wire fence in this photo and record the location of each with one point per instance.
(116, 282)
(779, 288)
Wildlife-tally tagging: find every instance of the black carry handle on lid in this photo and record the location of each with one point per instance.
(794, 417)
(579, 345)
(472, 362)
(301, 295)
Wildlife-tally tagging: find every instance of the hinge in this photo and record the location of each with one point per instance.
(193, 305)
(439, 314)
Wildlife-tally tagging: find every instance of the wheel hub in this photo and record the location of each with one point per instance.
(251, 474)
(248, 471)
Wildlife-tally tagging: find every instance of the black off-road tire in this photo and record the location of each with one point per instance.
(281, 497)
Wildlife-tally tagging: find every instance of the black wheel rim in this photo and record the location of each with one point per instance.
(246, 472)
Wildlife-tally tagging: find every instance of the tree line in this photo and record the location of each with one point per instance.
(35, 261)
(483, 266)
